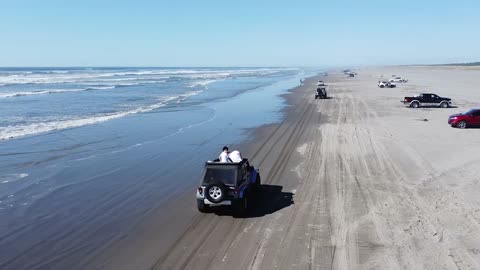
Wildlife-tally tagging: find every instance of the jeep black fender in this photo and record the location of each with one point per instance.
(241, 191)
(253, 176)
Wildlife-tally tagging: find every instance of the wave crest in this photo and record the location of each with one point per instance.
(11, 132)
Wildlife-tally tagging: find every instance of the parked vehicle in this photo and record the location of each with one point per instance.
(427, 100)
(466, 119)
(386, 84)
(321, 93)
(398, 80)
(231, 184)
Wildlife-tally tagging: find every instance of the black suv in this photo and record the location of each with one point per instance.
(321, 93)
(227, 184)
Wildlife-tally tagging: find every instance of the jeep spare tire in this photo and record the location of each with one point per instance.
(215, 192)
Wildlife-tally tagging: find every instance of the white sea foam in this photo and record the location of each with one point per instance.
(7, 178)
(121, 84)
(101, 87)
(202, 83)
(67, 77)
(52, 91)
(16, 131)
(63, 76)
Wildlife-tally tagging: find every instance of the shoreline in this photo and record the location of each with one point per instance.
(139, 243)
(107, 204)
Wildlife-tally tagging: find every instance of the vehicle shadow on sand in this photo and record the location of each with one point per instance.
(268, 200)
(436, 107)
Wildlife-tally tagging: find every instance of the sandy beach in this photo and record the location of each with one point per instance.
(357, 181)
(229, 135)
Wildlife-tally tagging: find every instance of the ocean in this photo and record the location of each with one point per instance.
(84, 150)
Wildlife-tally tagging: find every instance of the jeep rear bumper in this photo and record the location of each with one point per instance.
(224, 202)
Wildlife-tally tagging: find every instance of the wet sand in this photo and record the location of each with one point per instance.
(352, 182)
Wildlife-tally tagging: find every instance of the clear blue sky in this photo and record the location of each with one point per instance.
(237, 33)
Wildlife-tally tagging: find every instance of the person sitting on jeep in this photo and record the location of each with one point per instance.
(235, 156)
(224, 155)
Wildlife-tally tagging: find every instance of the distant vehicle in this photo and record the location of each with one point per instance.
(231, 184)
(398, 80)
(351, 74)
(427, 100)
(320, 83)
(466, 119)
(386, 84)
(321, 93)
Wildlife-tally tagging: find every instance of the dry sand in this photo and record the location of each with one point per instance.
(372, 187)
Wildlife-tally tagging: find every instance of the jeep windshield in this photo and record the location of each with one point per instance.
(226, 176)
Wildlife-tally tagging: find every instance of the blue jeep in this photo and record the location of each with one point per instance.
(231, 184)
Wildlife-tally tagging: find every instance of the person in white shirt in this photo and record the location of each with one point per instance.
(224, 155)
(235, 156)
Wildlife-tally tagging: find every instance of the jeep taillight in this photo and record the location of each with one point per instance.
(200, 190)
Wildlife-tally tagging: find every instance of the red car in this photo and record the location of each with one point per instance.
(466, 119)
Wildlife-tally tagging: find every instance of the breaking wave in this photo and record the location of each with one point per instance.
(16, 131)
(75, 76)
(52, 91)
(7, 178)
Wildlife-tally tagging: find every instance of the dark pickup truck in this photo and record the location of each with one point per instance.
(427, 100)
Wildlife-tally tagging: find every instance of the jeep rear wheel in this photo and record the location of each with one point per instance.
(215, 192)
(462, 124)
(415, 104)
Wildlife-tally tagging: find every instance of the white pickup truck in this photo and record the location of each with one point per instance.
(385, 84)
(320, 83)
(398, 80)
